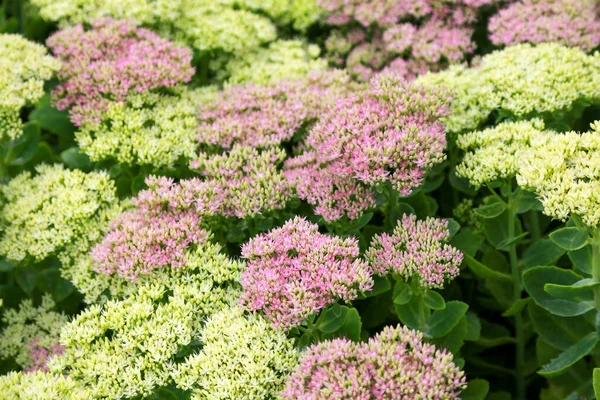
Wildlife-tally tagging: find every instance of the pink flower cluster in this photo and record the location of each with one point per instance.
(389, 133)
(40, 354)
(410, 37)
(395, 364)
(262, 116)
(250, 179)
(166, 221)
(569, 22)
(416, 249)
(295, 271)
(109, 61)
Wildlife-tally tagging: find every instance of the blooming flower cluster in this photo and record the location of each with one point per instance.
(416, 249)
(31, 333)
(111, 60)
(295, 271)
(242, 357)
(24, 66)
(251, 181)
(56, 212)
(394, 364)
(411, 37)
(519, 81)
(144, 129)
(493, 154)
(40, 385)
(570, 22)
(166, 222)
(262, 116)
(389, 133)
(564, 171)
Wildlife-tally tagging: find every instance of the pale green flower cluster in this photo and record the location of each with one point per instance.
(204, 267)
(148, 129)
(282, 60)
(564, 171)
(57, 211)
(128, 348)
(29, 323)
(520, 81)
(243, 357)
(24, 66)
(300, 13)
(465, 214)
(68, 12)
(40, 386)
(492, 154)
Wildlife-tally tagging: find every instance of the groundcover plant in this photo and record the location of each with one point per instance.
(300, 199)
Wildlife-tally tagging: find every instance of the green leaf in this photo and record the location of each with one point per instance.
(525, 201)
(442, 321)
(473, 327)
(542, 252)
(596, 380)
(6, 266)
(381, 285)
(46, 279)
(235, 234)
(491, 210)
(560, 332)
(73, 158)
(53, 120)
(453, 227)
(25, 146)
(409, 313)
(360, 222)
(582, 259)
(570, 356)
(484, 272)
(467, 241)
(503, 245)
(570, 238)
(477, 389)
(455, 339)
(332, 318)
(535, 279)
(496, 230)
(306, 340)
(62, 289)
(137, 184)
(579, 291)
(26, 278)
(402, 293)
(516, 308)
(493, 335)
(352, 326)
(434, 300)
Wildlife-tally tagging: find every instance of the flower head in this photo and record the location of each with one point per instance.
(31, 333)
(389, 133)
(492, 154)
(110, 61)
(569, 22)
(250, 180)
(24, 66)
(395, 364)
(242, 357)
(56, 212)
(564, 171)
(166, 221)
(416, 249)
(40, 385)
(295, 271)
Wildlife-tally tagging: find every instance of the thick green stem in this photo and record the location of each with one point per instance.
(519, 328)
(534, 225)
(596, 264)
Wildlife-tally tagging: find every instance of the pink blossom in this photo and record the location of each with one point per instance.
(389, 133)
(166, 221)
(109, 61)
(261, 116)
(394, 364)
(40, 354)
(569, 22)
(416, 249)
(295, 271)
